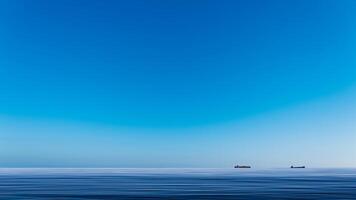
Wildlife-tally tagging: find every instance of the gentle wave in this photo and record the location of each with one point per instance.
(112, 183)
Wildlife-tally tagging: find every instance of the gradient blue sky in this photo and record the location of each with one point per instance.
(177, 83)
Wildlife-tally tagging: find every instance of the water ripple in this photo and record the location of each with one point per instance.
(177, 184)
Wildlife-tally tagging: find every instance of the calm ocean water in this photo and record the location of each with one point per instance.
(177, 184)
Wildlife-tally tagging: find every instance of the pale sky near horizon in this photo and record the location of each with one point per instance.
(320, 133)
(177, 83)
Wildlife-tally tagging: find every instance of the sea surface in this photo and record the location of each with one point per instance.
(177, 184)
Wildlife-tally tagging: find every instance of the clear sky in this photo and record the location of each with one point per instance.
(177, 83)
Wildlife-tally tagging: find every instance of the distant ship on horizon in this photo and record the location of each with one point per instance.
(242, 166)
(297, 167)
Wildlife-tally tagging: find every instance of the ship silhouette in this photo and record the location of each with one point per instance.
(242, 166)
(297, 167)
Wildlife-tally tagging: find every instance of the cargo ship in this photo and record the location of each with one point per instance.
(297, 167)
(242, 166)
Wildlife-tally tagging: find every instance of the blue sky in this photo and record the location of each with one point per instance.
(177, 83)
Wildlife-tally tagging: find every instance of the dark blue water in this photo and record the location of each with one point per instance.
(177, 184)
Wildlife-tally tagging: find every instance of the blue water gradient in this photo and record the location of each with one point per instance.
(177, 184)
